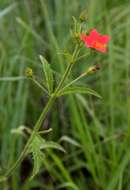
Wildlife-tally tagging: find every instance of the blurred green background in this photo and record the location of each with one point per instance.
(98, 155)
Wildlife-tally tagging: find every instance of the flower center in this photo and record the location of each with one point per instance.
(98, 45)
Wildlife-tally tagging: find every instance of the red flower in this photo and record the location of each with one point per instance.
(96, 40)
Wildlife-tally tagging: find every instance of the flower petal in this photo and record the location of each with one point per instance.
(94, 35)
(83, 37)
(96, 40)
(104, 39)
(87, 40)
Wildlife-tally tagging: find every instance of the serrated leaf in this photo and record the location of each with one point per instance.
(36, 147)
(37, 158)
(48, 74)
(78, 89)
(39, 143)
(36, 143)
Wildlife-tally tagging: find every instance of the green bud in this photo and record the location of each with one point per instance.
(82, 16)
(28, 72)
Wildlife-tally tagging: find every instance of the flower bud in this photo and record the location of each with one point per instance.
(28, 72)
(82, 16)
(93, 69)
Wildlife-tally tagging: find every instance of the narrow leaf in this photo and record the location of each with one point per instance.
(69, 140)
(37, 158)
(116, 175)
(7, 10)
(79, 90)
(68, 185)
(48, 74)
(52, 145)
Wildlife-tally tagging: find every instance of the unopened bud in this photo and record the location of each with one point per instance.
(93, 69)
(28, 72)
(82, 16)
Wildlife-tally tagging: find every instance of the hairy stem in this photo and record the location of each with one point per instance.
(43, 115)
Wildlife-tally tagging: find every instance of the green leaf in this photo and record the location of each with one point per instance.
(52, 145)
(40, 143)
(7, 10)
(37, 158)
(115, 177)
(36, 143)
(21, 130)
(48, 74)
(2, 179)
(68, 185)
(70, 140)
(36, 147)
(78, 89)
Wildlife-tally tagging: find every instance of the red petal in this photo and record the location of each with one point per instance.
(83, 37)
(86, 39)
(94, 35)
(104, 39)
(95, 40)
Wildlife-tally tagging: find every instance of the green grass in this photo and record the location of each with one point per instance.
(101, 127)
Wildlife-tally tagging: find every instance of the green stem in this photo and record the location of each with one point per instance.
(39, 85)
(36, 128)
(43, 115)
(64, 77)
(82, 56)
(12, 78)
(75, 80)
